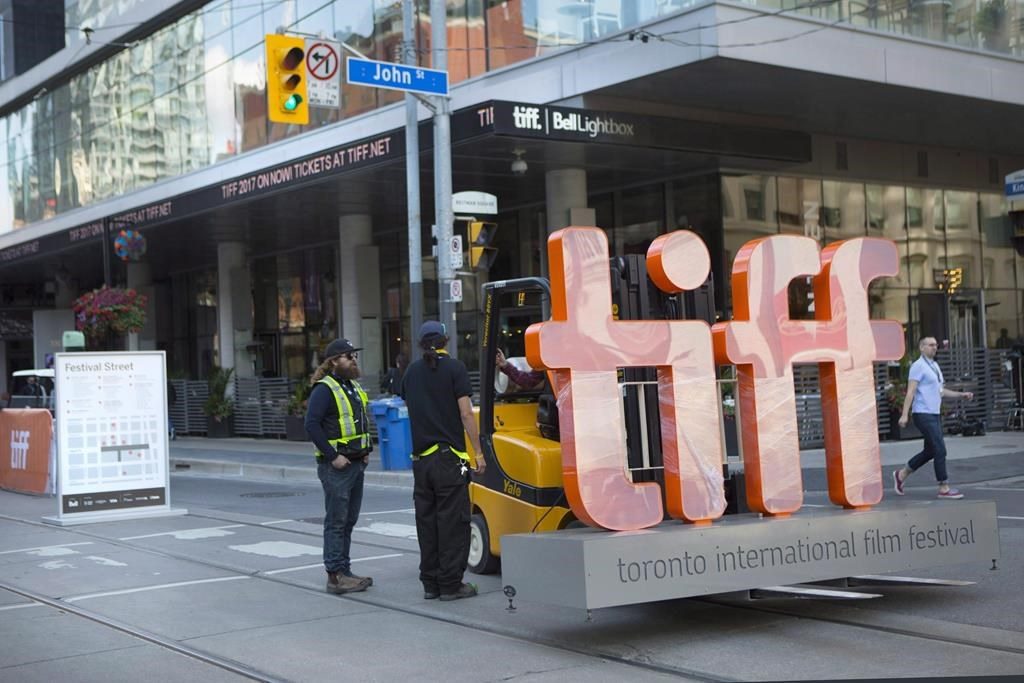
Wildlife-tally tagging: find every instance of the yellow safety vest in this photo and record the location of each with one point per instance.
(346, 418)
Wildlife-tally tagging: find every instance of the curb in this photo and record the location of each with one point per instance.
(285, 473)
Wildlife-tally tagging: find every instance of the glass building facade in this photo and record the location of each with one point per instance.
(193, 93)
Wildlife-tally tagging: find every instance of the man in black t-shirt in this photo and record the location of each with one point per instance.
(437, 392)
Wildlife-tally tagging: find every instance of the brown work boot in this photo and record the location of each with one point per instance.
(339, 583)
(466, 590)
(367, 579)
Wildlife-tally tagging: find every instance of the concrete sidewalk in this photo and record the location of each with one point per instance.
(996, 455)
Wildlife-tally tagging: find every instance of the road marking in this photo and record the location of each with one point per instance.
(320, 564)
(22, 606)
(814, 505)
(190, 534)
(52, 552)
(105, 561)
(389, 529)
(1006, 517)
(277, 521)
(388, 512)
(161, 586)
(56, 564)
(993, 488)
(43, 548)
(282, 549)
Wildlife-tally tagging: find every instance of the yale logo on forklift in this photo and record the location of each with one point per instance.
(513, 489)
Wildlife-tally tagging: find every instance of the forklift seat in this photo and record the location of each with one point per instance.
(547, 415)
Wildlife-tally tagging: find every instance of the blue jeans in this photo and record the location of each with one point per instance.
(343, 497)
(930, 426)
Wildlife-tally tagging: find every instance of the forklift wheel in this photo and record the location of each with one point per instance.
(480, 559)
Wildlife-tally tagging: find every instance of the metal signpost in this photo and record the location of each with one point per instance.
(434, 82)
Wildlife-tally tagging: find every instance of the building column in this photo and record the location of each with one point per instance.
(566, 199)
(359, 291)
(140, 278)
(234, 308)
(566, 204)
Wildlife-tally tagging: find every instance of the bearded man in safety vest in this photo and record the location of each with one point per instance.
(338, 425)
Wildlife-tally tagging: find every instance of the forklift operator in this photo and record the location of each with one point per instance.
(527, 380)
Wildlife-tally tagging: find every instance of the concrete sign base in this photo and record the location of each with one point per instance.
(590, 568)
(118, 516)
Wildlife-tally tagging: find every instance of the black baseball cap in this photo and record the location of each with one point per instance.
(338, 347)
(432, 328)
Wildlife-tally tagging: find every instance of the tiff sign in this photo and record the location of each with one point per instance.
(583, 346)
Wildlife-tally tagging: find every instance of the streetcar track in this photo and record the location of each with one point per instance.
(152, 638)
(487, 627)
(895, 630)
(361, 598)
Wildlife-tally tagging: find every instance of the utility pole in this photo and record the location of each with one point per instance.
(443, 176)
(412, 179)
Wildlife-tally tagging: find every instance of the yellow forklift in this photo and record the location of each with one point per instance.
(521, 490)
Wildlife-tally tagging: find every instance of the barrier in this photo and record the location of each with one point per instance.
(27, 451)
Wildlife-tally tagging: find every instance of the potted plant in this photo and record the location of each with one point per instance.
(895, 393)
(219, 409)
(295, 412)
(107, 312)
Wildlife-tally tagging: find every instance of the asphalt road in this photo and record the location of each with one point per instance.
(234, 590)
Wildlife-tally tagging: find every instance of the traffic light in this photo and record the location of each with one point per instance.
(954, 278)
(481, 254)
(286, 79)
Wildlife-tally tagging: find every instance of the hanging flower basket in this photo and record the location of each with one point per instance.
(109, 311)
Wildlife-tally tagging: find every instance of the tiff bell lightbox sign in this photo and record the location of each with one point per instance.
(112, 446)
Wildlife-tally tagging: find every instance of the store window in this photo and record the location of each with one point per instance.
(963, 239)
(842, 210)
(642, 219)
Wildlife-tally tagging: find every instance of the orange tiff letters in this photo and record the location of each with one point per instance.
(583, 346)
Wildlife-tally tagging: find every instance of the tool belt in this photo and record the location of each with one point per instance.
(462, 455)
(362, 441)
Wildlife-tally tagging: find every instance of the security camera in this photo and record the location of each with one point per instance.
(519, 165)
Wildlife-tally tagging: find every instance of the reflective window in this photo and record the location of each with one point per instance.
(963, 241)
(842, 210)
(193, 93)
(925, 228)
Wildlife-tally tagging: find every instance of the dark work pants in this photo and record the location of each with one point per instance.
(441, 496)
(343, 497)
(930, 427)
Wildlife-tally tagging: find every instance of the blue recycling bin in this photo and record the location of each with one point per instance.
(394, 434)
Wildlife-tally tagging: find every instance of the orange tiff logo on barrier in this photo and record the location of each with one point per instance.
(584, 346)
(25, 437)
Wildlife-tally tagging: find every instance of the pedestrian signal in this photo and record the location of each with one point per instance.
(286, 79)
(481, 254)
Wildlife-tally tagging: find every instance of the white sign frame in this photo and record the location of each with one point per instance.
(472, 202)
(113, 457)
(455, 291)
(455, 259)
(323, 89)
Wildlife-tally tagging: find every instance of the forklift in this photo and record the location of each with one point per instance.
(521, 490)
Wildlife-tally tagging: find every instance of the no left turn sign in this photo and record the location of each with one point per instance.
(323, 62)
